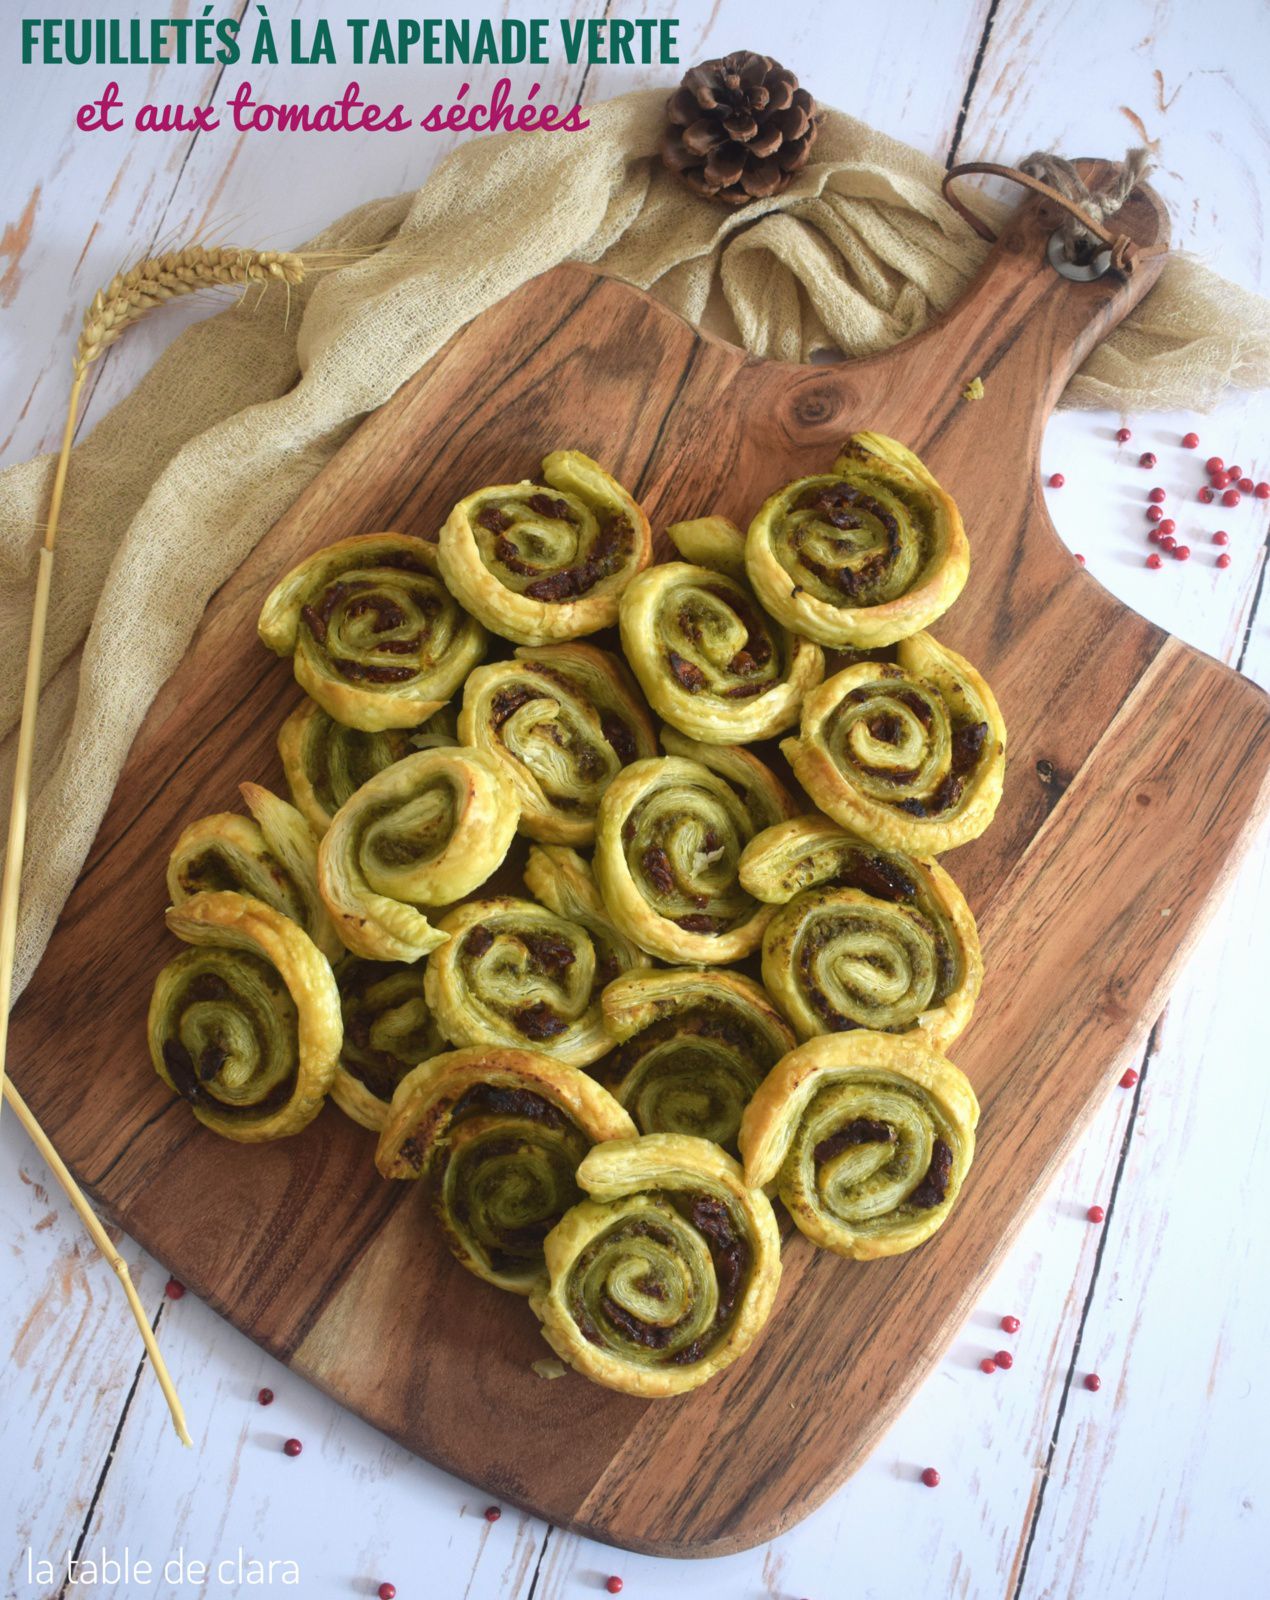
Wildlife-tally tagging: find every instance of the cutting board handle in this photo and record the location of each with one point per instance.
(1021, 326)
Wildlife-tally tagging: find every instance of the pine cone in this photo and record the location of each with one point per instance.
(740, 127)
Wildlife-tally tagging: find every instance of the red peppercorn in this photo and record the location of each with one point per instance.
(1223, 560)
(1167, 542)
(292, 1447)
(1190, 441)
(1095, 1213)
(987, 1365)
(1129, 1078)
(1246, 484)
(265, 1397)
(614, 1585)
(1004, 1360)
(1213, 464)
(1146, 459)
(1219, 480)
(1230, 498)
(1182, 553)
(1057, 480)
(387, 1591)
(1168, 526)
(1081, 559)
(1154, 561)
(1205, 497)
(1093, 1382)
(173, 1289)
(1157, 496)
(1221, 537)
(1262, 491)
(1233, 474)
(492, 1513)
(1155, 514)
(930, 1478)
(1123, 436)
(1010, 1324)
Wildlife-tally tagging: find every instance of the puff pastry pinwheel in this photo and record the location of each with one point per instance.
(377, 639)
(666, 1273)
(499, 1135)
(564, 722)
(863, 555)
(271, 855)
(516, 973)
(865, 938)
(911, 756)
(423, 832)
(245, 1026)
(669, 839)
(708, 658)
(388, 1032)
(868, 1138)
(541, 562)
(326, 763)
(694, 1047)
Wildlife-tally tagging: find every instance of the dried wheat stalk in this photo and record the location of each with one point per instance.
(124, 301)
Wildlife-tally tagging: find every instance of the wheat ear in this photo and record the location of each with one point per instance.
(125, 300)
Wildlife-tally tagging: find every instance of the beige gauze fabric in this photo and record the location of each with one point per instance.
(170, 492)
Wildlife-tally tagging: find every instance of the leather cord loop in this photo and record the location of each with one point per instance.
(1125, 252)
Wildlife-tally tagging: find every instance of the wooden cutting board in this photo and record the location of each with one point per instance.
(1137, 769)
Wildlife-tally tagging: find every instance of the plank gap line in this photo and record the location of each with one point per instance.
(1255, 608)
(110, 1458)
(533, 1582)
(971, 83)
(1152, 1046)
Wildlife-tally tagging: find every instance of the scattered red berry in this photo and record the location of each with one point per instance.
(1081, 559)
(1182, 553)
(174, 1290)
(292, 1447)
(1234, 474)
(614, 1585)
(1057, 480)
(1219, 480)
(1262, 491)
(1230, 498)
(1146, 459)
(1205, 496)
(1157, 496)
(387, 1591)
(1093, 1382)
(265, 1397)
(1168, 526)
(1123, 436)
(1095, 1213)
(1213, 464)
(1129, 1079)
(1004, 1360)
(1223, 560)
(930, 1478)
(1010, 1324)
(1155, 514)
(987, 1365)
(1154, 561)
(492, 1513)
(1167, 542)
(1221, 537)
(1190, 441)
(1246, 484)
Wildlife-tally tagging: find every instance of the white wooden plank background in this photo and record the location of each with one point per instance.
(1151, 1487)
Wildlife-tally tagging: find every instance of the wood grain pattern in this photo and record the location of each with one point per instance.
(327, 1266)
